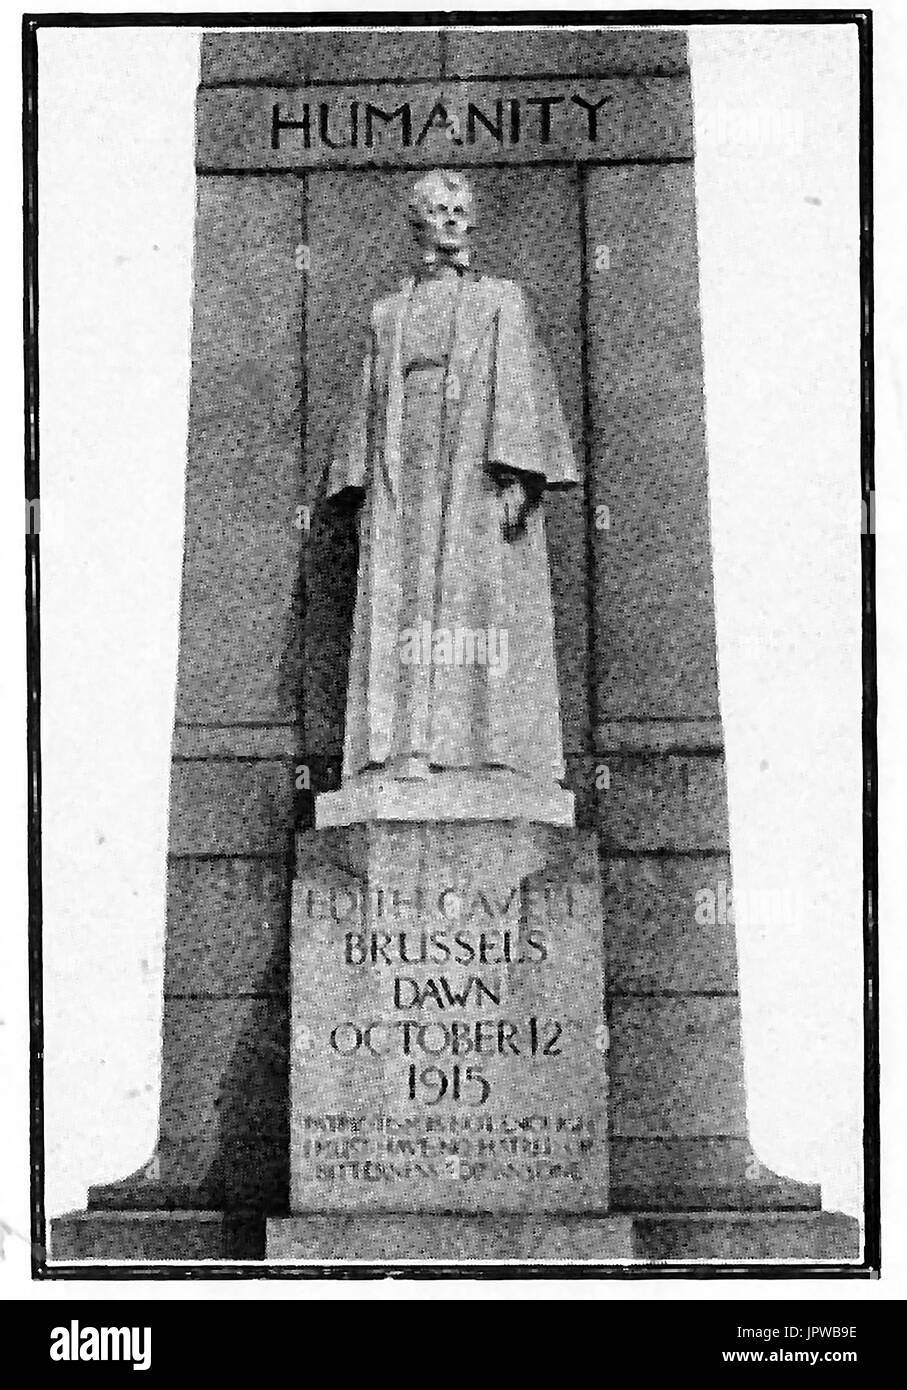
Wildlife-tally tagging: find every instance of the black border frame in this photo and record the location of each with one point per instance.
(870, 1264)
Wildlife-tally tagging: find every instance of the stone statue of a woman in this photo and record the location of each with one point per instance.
(455, 435)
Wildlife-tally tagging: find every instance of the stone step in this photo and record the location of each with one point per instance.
(606, 1239)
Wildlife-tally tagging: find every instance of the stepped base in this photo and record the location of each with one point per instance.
(450, 1239)
(141, 1236)
(730, 1236)
(596, 1240)
(724, 1237)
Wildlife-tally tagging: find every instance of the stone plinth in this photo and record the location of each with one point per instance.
(128, 1236)
(451, 1239)
(449, 1049)
(445, 796)
(742, 1236)
(594, 1241)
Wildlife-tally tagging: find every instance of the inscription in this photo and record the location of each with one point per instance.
(505, 121)
(473, 121)
(453, 1051)
(461, 1148)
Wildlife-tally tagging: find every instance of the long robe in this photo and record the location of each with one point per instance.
(452, 658)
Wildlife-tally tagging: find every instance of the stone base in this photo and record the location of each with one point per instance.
(402, 1239)
(445, 796)
(730, 1236)
(448, 962)
(701, 1173)
(725, 1237)
(141, 1236)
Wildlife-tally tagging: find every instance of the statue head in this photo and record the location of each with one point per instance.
(441, 213)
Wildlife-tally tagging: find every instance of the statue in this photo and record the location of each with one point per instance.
(455, 434)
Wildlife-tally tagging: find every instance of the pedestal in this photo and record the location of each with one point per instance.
(451, 1065)
(461, 797)
(448, 1039)
(617, 1239)
(438, 1239)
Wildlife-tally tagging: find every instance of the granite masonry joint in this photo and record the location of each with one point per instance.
(316, 83)
(375, 166)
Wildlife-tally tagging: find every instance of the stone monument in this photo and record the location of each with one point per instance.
(436, 987)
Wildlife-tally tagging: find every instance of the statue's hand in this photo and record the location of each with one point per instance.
(349, 500)
(513, 503)
(516, 504)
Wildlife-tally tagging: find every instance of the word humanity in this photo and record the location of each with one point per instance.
(504, 121)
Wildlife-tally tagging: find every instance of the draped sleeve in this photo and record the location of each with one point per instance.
(528, 432)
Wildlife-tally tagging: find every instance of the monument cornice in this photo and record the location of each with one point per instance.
(455, 122)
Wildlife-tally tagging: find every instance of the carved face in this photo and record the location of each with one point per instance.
(441, 209)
